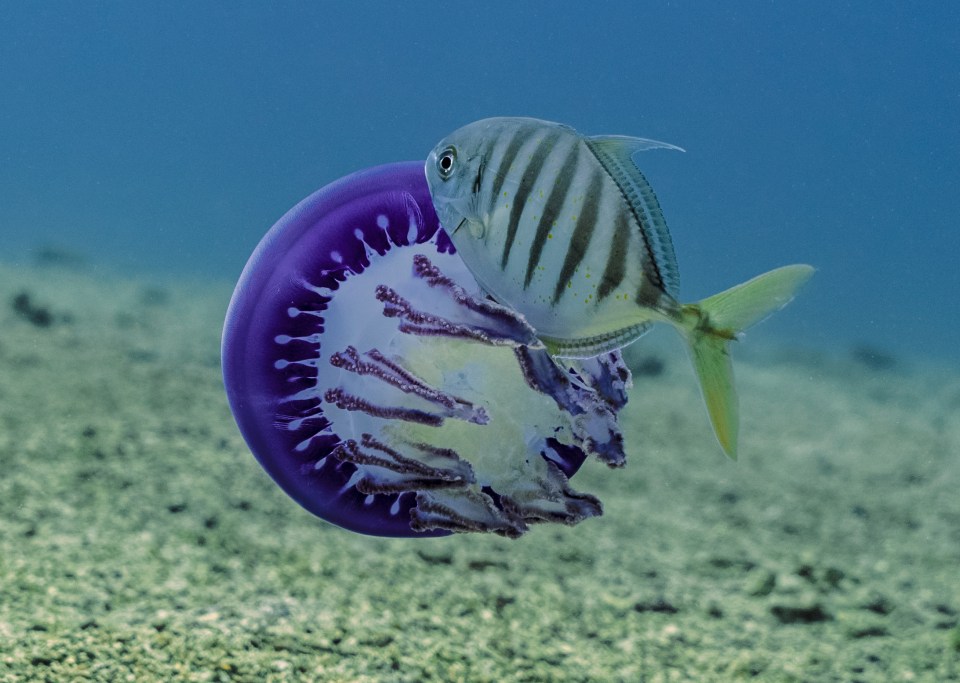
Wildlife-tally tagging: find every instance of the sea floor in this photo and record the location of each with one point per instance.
(140, 540)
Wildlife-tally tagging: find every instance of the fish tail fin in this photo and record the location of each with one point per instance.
(711, 324)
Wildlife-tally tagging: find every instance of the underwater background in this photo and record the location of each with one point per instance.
(166, 136)
(146, 147)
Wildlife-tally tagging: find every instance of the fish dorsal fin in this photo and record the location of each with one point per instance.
(629, 145)
(615, 153)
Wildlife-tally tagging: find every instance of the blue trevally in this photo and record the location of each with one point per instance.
(566, 230)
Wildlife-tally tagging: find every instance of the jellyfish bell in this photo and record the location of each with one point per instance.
(384, 392)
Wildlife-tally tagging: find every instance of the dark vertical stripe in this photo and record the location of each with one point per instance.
(528, 179)
(483, 161)
(481, 184)
(648, 293)
(551, 209)
(479, 177)
(616, 267)
(503, 166)
(520, 136)
(580, 242)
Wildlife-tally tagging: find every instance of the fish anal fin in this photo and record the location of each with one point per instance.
(587, 347)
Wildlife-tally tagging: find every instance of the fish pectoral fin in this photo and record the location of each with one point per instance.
(615, 153)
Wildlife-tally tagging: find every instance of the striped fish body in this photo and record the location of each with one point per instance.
(561, 227)
(566, 230)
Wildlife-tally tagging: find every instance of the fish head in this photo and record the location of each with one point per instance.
(452, 170)
(455, 170)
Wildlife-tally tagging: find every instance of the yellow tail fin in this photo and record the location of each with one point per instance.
(711, 324)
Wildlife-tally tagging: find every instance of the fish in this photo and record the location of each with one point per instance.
(566, 230)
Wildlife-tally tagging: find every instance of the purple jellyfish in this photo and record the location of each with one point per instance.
(386, 394)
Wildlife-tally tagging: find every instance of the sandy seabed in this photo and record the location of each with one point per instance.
(140, 540)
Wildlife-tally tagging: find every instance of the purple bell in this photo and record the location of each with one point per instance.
(385, 393)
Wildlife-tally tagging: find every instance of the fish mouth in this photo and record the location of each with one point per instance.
(459, 225)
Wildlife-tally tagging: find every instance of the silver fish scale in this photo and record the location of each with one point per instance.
(561, 229)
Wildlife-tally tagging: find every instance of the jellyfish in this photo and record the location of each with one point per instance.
(385, 393)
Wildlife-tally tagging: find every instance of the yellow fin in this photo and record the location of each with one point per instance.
(711, 324)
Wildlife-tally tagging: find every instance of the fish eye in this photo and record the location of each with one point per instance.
(446, 162)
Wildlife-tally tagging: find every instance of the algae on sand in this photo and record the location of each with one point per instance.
(140, 539)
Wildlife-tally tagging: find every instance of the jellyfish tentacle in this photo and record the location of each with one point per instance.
(387, 470)
(549, 498)
(344, 400)
(394, 374)
(607, 374)
(468, 510)
(495, 317)
(484, 321)
(595, 416)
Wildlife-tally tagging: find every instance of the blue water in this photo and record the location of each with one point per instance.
(168, 136)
